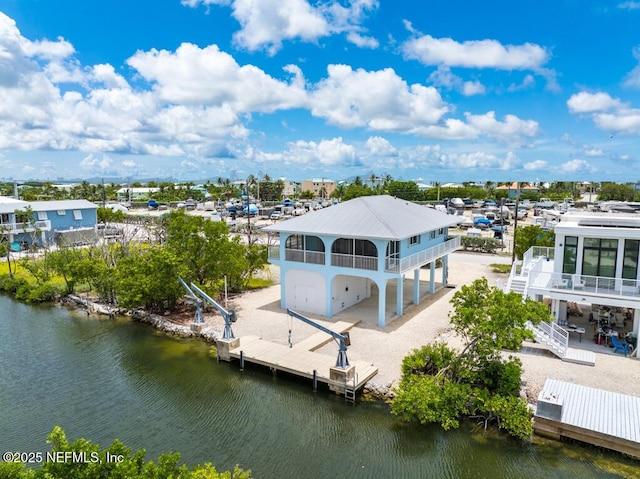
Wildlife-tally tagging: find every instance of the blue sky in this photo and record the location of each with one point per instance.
(432, 90)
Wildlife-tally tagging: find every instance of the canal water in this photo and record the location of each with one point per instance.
(105, 379)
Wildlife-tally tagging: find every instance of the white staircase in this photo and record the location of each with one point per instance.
(556, 340)
(517, 284)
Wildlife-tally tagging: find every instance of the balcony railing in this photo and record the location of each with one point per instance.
(26, 227)
(402, 265)
(354, 261)
(304, 256)
(538, 252)
(577, 283)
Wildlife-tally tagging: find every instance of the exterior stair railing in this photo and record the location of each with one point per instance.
(555, 338)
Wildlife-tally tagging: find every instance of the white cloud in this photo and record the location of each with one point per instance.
(470, 88)
(593, 152)
(585, 102)
(475, 54)
(512, 128)
(575, 166)
(633, 78)
(629, 5)
(527, 82)
(265, 24)
(535, 165)
(379, 100)
(608, 114)
(96, 165)
(194, 75)
(443, 77)
(479, 159)
(332, 152)
(379, 146)
(362, 41)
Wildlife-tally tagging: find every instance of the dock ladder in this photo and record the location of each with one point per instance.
(350, 389)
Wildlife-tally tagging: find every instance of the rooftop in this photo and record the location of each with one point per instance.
(380, 217)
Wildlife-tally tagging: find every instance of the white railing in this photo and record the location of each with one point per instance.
(538, 252)
(354, 261)
(591, 284)
(25, 227)
(422, 257)
(552, 335)
(304, 256)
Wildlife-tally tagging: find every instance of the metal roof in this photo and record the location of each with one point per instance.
(9, 205)
(62, 205)
(380, 217)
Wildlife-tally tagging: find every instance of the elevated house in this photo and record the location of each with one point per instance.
(594, 261)
(334, 258)
(41, 222)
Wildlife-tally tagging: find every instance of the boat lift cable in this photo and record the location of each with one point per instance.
(197, 301)
(342, 339)
(229, 316)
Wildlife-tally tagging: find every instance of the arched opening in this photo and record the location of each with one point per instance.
(354, 253)
(305, 249)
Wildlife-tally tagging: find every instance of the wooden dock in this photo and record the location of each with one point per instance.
(302, 360)
(590, 415)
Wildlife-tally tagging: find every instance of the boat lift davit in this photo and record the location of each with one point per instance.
(343, 339)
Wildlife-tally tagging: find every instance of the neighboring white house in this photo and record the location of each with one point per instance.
(136, 194)
(334, 258)
(594, 261)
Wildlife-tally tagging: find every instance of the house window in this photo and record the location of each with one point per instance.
(630, 263)
(432, 234)
(599, 257)
(570, 254)
(61, 212)
(4, 218)
(42, 216)
(77, 214)
(414, 240)
(441, 232)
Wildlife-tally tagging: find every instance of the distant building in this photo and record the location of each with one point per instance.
(291, 188)
(512, 189)
(136, 194)
(49, 221)
(320, 187)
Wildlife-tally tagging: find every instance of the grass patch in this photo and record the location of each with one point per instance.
(500, 268)
(258, 283)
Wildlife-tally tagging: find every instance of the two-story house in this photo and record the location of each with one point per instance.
(26, 222)
(334, 258)
(594, 261)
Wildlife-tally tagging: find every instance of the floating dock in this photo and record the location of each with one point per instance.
(301, 360)
(590, 415)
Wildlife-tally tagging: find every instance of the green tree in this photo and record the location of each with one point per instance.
(406, 190)
(440, 385)
(205, 249)
(532, 235)
(616, 192)
(149, 277)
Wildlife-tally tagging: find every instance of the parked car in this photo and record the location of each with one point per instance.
(276, 215)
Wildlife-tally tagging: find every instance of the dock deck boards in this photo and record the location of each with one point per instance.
(595, 416)
(298, 361)
(319, 339)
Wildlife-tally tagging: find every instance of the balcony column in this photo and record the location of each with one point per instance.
(636, 328)
(416, 286)
(432, 277)
(382, 302)
(445, 270)
(329, 296)
(399, 294)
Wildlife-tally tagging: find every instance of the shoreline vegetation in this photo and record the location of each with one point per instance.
(84, 459)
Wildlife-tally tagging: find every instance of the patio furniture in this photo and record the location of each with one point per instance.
(620, 345)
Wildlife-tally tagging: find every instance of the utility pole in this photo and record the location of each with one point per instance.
(515, 223)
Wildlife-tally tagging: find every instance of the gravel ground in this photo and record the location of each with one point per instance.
(259, 314)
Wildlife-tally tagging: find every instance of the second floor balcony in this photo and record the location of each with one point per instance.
(26, 227)
(389, 263)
